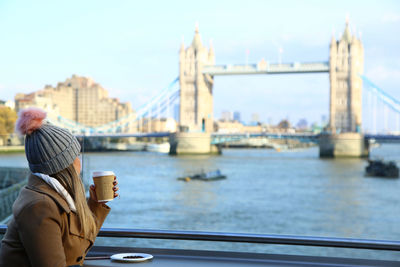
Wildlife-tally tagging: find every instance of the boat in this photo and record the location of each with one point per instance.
(379, 168)
(204, 176)
(160, 148)
(373, 144)
(126, 147)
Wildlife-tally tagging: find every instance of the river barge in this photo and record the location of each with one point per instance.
(379, 168)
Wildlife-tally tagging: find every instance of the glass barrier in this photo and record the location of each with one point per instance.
(13, 173)
(266, 119)
(281, 187)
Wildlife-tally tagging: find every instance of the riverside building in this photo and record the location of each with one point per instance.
(78, 99)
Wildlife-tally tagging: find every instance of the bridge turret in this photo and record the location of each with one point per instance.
(211, 55)
(347, 34)
(196, 43)
(346, 63)
(182, 48)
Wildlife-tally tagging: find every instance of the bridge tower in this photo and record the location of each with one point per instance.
(346, 61)
(196, 100)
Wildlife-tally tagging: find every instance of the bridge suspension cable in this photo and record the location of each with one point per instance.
(389, 100)
(381, 107)
(154, 107)
(148, 108)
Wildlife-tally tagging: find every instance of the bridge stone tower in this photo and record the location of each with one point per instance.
(346, 61)
(196, 100)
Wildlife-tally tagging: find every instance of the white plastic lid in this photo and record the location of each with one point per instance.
(102, 173)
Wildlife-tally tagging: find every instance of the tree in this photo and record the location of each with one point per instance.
(7, 122)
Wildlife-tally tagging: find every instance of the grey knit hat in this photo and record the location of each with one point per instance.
(48, 148)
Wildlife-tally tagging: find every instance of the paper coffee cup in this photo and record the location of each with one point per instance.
(104, 181)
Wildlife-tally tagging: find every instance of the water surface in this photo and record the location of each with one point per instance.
(268, 192)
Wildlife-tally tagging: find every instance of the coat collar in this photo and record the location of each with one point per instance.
(38, 185)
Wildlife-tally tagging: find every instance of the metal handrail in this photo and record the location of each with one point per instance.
(248, 238)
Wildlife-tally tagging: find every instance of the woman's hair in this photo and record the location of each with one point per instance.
(70, 180)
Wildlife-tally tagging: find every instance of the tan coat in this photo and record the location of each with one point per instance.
(44, 231)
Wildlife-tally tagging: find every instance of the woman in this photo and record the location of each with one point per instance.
(53, 224)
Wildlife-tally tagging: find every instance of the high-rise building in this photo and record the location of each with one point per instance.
(324, 121)
(176, 112)
(255, 117)
(302, 124)
(236, 116)
(226, 115)
(78, 99)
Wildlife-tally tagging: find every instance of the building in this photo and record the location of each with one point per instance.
(255, 118)
(10, 104)
(346, 62)
(235, 127)
(226, 116)
(147, 125)
(176, 112)
(236, 116)
(78, 99)
(228, 127)
(302, 124)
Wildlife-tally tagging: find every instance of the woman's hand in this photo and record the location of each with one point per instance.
(92, 190)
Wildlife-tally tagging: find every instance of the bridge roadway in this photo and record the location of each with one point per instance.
(220, 137)
(267, 68)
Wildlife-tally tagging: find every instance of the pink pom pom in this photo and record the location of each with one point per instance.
(29, 120)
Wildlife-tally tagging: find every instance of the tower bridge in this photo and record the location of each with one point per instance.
(197, 70)
(195, 84)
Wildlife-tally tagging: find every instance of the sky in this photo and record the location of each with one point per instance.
(131, 48)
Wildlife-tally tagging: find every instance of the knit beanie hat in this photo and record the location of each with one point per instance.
(48, 148)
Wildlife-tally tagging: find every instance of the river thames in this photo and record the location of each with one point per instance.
(267, 192)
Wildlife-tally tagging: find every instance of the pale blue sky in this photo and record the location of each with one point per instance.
(131, 47)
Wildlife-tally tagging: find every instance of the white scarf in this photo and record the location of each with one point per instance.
(58, 188)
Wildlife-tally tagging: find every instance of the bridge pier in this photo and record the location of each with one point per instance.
(192, 143)
(343, 145)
